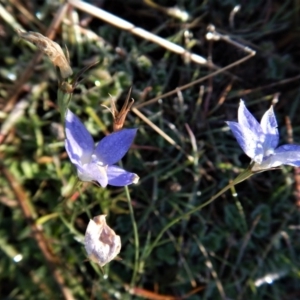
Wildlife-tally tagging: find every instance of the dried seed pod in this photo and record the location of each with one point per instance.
(101, 242)
(50, 48)
(120, 116)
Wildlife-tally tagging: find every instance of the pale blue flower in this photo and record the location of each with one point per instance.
(260, 140)
(97, 162)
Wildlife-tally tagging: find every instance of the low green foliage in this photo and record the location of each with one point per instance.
(244, 245)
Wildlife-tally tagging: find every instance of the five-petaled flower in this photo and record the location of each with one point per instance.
(97, 162)
(260, 140)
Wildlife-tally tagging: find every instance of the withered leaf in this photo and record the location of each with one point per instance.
(50, 48)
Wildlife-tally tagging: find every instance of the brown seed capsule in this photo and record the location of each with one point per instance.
(50, 48)
(101, 242)
(120, 116)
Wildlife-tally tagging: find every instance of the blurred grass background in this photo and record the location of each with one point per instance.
(245, 245)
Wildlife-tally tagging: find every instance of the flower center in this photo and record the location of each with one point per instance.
(269, 152)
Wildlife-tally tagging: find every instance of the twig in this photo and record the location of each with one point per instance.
(222, 98)
(188, 85)
(261, 88)
(9, 18)
(37, 233)
(28, 15)
(160, 132)
(118, 22)
(211, 268)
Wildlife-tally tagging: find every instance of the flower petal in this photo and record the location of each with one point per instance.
(93, 171)
(269, 126)
(114, 146)
(283, 155)
(246, 120)
(119, 177)
(248, 141)
(80, 143)
(73, 155)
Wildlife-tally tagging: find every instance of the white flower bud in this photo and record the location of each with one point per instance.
(101, 242)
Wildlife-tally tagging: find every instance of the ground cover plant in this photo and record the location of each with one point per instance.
(202, 221)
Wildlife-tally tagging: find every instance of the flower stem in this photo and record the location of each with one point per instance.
(63, 99)
(243, 176)
(136, 238)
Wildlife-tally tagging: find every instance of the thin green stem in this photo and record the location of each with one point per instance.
(136, 238)
(243, 176)
(64, 99)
